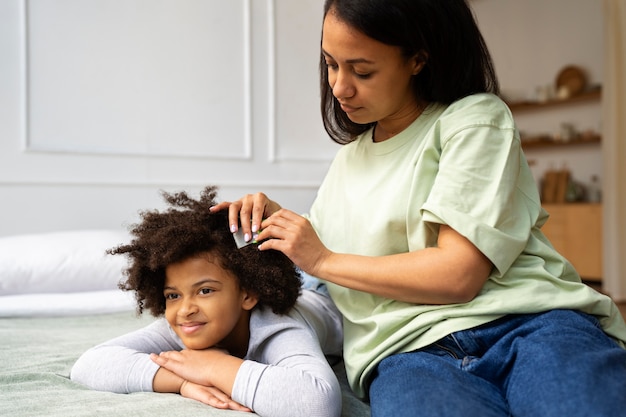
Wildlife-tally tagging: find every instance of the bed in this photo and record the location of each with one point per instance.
(58, 297)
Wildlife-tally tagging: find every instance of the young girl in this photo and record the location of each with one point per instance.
(236, 332)
(427, 229)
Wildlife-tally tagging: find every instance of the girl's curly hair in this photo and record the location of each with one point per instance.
(186, 229)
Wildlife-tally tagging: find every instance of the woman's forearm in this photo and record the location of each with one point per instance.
(453, 272)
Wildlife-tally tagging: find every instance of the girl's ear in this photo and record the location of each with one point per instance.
(248, 300)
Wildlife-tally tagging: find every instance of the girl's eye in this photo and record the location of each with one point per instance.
(363, 76)
(205, 291)
(331, 65)
(171, 296)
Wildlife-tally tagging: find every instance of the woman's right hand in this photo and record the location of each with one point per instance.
(249, 211)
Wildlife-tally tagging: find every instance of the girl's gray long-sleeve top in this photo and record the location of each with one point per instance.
(284, 373)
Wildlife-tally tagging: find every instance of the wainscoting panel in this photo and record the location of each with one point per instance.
(137, 77)
(104, 103)
(299, 133)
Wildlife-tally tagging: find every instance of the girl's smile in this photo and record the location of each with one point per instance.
(205, 306)
(190, 328)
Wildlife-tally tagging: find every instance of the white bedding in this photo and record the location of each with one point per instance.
(61, 262)
(62, 273)
(66, 304)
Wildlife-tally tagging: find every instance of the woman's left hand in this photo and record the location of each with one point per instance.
(294, 236)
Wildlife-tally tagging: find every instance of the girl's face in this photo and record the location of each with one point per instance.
(371, 80)
(205, 306)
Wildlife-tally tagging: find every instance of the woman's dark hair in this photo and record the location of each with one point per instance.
(187, 229)
(443, 32)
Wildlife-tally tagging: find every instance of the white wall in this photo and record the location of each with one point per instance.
(530, 42)
(104, 103)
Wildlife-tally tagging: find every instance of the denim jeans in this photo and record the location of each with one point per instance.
(309, 282)
(554, 364)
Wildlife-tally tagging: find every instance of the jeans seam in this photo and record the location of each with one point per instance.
(456, 341)
(446, 349)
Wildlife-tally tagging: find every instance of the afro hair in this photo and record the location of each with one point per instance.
(187, 229)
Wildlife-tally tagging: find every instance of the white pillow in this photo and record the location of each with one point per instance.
(61, 262)
(67, 304)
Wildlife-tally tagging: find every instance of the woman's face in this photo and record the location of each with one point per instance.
(370, 79)
(205, 306)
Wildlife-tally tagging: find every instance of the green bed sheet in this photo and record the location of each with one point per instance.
(37, 355)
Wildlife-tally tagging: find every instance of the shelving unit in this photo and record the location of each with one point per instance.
(575, 229)
(546, 141)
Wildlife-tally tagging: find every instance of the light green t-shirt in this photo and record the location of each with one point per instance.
(459, 165)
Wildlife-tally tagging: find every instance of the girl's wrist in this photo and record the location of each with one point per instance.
(182, 386)
(167, 381)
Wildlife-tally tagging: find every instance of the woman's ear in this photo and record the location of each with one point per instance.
(419, 61)
(248, 300)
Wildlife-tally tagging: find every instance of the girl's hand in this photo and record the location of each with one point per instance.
(212, 367)
(191, 365)
(211, 396)
(250, 211)
(294, 236)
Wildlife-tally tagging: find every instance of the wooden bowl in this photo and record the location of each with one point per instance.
(573, 79)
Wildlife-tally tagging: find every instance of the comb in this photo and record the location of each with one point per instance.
(241, 242)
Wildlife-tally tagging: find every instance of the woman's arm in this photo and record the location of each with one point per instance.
(452, 272)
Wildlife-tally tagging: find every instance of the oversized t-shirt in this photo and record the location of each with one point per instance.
(461, 165)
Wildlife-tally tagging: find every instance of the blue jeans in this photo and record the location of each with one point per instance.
(309, 282)
(558, 363)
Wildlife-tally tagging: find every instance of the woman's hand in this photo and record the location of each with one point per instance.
(211, 396)
(250, 211)
(294, 236)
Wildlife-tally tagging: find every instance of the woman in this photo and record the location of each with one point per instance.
(427, 231)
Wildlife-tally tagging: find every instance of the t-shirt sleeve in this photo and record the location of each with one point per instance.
(122, 365)
(477, 191)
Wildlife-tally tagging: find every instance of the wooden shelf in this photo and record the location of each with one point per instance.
(589, 95)
(549, 142)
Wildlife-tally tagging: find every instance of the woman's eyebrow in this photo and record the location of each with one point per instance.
(350, 61)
